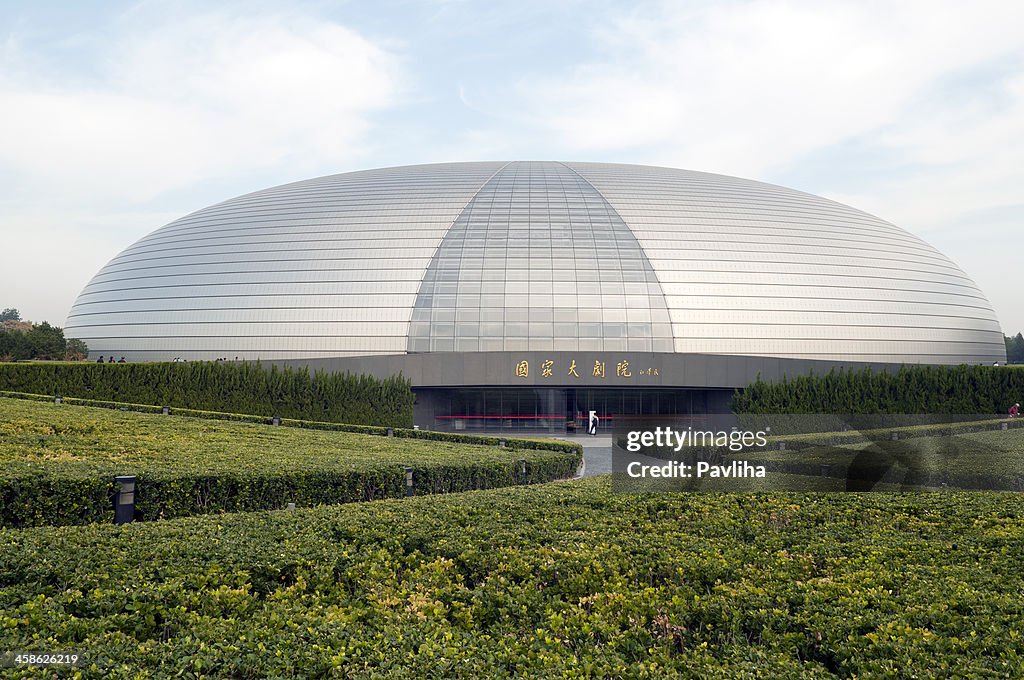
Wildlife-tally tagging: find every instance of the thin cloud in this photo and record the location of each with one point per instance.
(932, 90)
(167, 104)
(912, 111)
(208, 96)
(750, 87)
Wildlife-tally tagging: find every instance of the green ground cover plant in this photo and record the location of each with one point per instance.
(227, 387)
(555, 580)
(57, 463)
(404, 433)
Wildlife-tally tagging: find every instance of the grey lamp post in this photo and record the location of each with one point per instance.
(124, 501)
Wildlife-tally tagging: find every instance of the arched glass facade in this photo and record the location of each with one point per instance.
(538, 260)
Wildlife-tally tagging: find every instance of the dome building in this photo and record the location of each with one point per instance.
(522, 294)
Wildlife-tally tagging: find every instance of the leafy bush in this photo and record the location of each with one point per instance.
(912, 389)
(224, 387)
(59, 461)
(401, 433)
(559, 580)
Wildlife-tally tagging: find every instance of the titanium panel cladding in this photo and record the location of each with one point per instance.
(534, 256)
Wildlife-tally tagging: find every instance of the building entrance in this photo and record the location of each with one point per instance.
(556, 410)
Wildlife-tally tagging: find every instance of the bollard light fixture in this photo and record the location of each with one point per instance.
(391, 432)
(124, 500)
(408, 481)
(276, 420)
(166, 410)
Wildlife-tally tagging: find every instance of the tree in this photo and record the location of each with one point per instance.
(1015, 349)
(14, 345)
(20, 340)
(75, 350)
(47, 341)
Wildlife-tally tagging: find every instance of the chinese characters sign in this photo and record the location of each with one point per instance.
(551, 369)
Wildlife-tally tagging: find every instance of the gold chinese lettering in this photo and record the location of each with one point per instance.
(598, 369)
(545, 368)
(522, 369)
(572, 369)
(622, 370)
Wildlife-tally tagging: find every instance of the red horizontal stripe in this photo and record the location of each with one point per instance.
(507, 417)
(602, 417)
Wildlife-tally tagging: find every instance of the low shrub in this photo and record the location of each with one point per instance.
(59, 462)
(512, 443)
(556, 580)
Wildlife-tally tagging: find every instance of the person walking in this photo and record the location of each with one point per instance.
(1015, 410)
(592, 425)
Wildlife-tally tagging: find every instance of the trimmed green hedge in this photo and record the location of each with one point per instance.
(552, 581)
(798, 434)
(58, 464)
(225, 387)
(967, 458)
(398, 432)
(912, 389)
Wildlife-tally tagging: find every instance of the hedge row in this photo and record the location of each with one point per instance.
(226, 387)
(969, 459)
(41, 500)
(798, 434)
(379, 430)
(59, 462)
(912, 389)
(562, 580)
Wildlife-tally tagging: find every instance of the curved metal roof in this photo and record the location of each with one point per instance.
(497, 256)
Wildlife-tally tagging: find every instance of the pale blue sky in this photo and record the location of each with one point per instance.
(119, 117)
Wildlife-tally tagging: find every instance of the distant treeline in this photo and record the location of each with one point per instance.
(226, 387)
(20, 340)
(912, 389)
(1015, 349)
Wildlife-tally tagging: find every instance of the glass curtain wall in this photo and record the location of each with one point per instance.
(557, 410)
